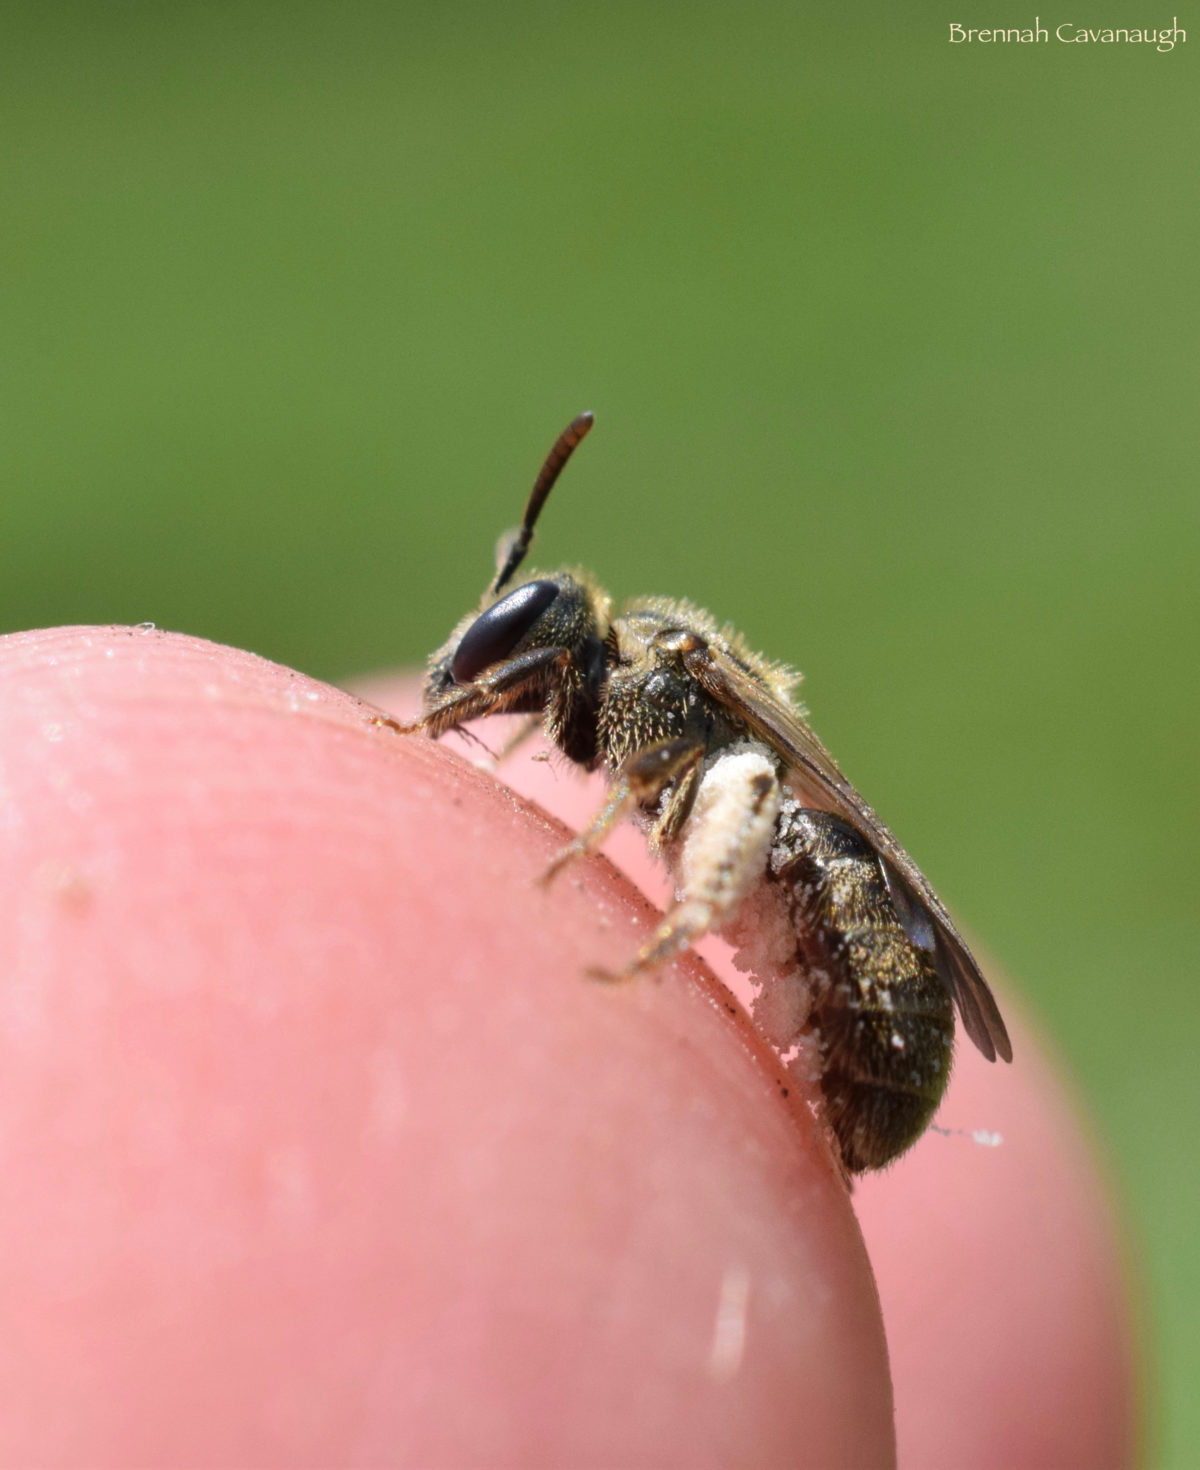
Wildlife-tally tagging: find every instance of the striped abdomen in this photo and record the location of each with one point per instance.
(881, 1012)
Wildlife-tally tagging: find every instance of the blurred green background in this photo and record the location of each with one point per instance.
(893, 347)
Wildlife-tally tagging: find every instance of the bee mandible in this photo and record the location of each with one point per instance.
(702, 741)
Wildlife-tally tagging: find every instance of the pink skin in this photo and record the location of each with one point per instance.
(317, 1146)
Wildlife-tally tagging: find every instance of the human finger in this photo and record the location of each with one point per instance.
(318, 1145)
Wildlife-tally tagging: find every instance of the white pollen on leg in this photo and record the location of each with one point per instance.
(729, 831)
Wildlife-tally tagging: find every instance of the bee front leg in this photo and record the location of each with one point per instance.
(722, 853)
(491, 694)
(642, 780)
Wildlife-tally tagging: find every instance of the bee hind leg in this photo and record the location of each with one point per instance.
(720, 856)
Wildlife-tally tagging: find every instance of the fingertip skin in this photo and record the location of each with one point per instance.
(318, 1146)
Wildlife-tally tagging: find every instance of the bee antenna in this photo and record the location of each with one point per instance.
(512, 548)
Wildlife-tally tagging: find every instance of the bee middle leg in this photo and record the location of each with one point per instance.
(642, 780)
(529, 727)
(722, 854)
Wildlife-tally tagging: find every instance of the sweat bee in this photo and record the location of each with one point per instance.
(702, 741)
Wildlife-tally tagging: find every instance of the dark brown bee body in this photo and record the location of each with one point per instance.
(702, 738)
(881, 1012)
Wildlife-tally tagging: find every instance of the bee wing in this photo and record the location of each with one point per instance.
(819, 783)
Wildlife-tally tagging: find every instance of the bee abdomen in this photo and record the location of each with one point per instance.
(880, 1010)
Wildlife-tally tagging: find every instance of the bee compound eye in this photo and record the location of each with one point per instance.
(494, 634)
